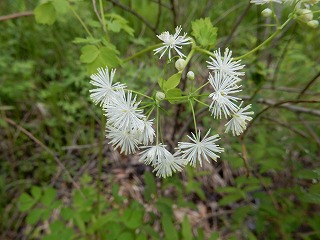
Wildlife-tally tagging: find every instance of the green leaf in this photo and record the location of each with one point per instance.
(116, 23)
(48, 196)
(61, 6)
(34, 216)
(126, 236)
(45, 13)
(161, 83)
(231, 198)
(164, 206)
(89, 53)
(151, 187)
(36, 192)
(172, 82)
(132, 218)
(193, 186)
(173, 93)
(186, 229)
(106, 57)
(67, 213)
(170, 231)
(141, 236)
(204, 32)
(214, 236)
(26, 202)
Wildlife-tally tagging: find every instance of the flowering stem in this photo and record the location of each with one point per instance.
(190, 55)
(80, 20)
(157, 128)
(198, 89)
(142, 52)
(194, 118)
(102, 14)
(201, 102)
(204, 51)
(265, 42)
(139, 93)
(150, 112)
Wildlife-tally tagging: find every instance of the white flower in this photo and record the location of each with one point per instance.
(199, 150)
(172, 41)
(123, 113)
(238, 122)
(222, 101)
(162, 160)
(105, 90)
(225, 65)
(126, 140)
(147, 135)
(261, 2)
(152, 155)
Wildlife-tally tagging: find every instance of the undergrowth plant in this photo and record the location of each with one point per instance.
(134, 118)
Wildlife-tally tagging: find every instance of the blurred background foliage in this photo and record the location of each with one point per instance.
(266, 185)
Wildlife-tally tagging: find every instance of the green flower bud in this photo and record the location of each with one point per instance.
(266, 12)
(312, 2)
(305, 15)
(313, 23)
(180, 64)
(160, 96)
(190, 75)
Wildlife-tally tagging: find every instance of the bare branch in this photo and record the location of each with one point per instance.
(16, 15)
(37, 141)
(126, 8)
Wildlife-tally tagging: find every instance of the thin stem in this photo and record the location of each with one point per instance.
(194, 118)
(198, 49)
(190, 55)
(198, 89)
(80, 20)
(204, 104)
(265, 42)
(157, 128)
(48, 150)
(143, 51)
(102, 15)
(139, 93)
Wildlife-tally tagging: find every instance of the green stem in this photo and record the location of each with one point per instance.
(201, 102)
(143, 51)
(139, 93)
(198, 89)
(157, 128)
(190, 55)
(194, 118)
(80, 20)
(102, 14)
(198, 49)
(265, 42)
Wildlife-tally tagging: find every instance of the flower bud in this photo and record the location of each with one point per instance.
(305, 15)
(312, 2)
(266, 12)
(180, 64)
(190, 75)
(160, 96)
(313, 23)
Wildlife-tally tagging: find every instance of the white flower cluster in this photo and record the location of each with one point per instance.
(225, 82)
(130, 130)
(127, 126)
